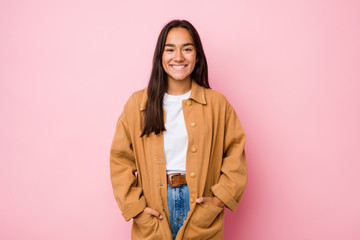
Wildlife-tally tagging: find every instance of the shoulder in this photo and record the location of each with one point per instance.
(215, 97)
(136, 98)
(219, 103)
(138, 94)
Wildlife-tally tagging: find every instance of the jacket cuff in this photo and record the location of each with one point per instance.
(225, 197)
(135, 208)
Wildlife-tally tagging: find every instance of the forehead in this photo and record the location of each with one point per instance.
(179, 35)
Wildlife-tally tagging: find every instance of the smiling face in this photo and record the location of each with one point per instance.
(179, 56)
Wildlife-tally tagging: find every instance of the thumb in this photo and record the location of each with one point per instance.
(202, 199)
(155, 213)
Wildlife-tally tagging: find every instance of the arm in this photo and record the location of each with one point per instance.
(233, 178)
(122, 171)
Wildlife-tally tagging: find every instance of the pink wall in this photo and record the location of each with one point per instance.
(291, 69)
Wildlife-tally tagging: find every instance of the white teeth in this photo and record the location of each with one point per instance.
(178, 67)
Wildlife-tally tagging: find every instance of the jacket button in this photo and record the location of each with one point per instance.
(192, 200)
(193, 124)
(158, 159)
(188, 103)
(193, 149)
(192, 174)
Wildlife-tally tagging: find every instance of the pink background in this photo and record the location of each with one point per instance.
(291, 69)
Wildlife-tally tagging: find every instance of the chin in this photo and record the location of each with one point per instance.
(179, 78)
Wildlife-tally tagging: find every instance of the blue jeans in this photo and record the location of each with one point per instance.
(178, 203)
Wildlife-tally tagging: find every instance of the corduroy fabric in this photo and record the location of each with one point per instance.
(215, 165)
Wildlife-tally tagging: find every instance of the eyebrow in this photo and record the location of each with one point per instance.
(173, 45)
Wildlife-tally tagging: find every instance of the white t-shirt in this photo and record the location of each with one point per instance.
(175, 136)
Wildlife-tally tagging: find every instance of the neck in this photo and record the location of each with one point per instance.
(178, 87)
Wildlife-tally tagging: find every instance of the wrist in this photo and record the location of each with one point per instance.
(219, 202)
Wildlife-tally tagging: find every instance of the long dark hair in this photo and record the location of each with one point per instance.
(153, 113)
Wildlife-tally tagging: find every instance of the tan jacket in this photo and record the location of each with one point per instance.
(215, 165)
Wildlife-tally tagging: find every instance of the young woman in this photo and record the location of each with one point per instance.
(177, 157)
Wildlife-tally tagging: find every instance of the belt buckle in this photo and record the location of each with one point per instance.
(170, 179)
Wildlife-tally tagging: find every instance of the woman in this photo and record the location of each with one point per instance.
(177, 157)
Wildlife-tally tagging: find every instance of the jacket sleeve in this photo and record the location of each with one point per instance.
(122, 171)
(233, 176)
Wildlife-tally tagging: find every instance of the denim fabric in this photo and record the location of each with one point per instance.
(178, 203)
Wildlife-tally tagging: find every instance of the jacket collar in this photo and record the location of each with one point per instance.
(197, 93)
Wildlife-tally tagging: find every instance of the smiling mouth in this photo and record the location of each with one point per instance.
(178, 67)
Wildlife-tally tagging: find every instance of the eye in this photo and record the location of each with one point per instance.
(188, 49)
(169, 50)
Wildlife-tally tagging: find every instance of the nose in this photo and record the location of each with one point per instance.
(178, 56)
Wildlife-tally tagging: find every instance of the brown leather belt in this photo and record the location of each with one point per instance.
(176, 180)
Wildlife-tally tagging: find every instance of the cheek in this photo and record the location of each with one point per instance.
(163, 62)
(165, 59)
(193, 59)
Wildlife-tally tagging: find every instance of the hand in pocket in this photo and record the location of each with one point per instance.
(149, 211)
(214, 200)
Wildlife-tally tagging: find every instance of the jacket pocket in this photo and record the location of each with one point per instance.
(146, 227)
(205, 223)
